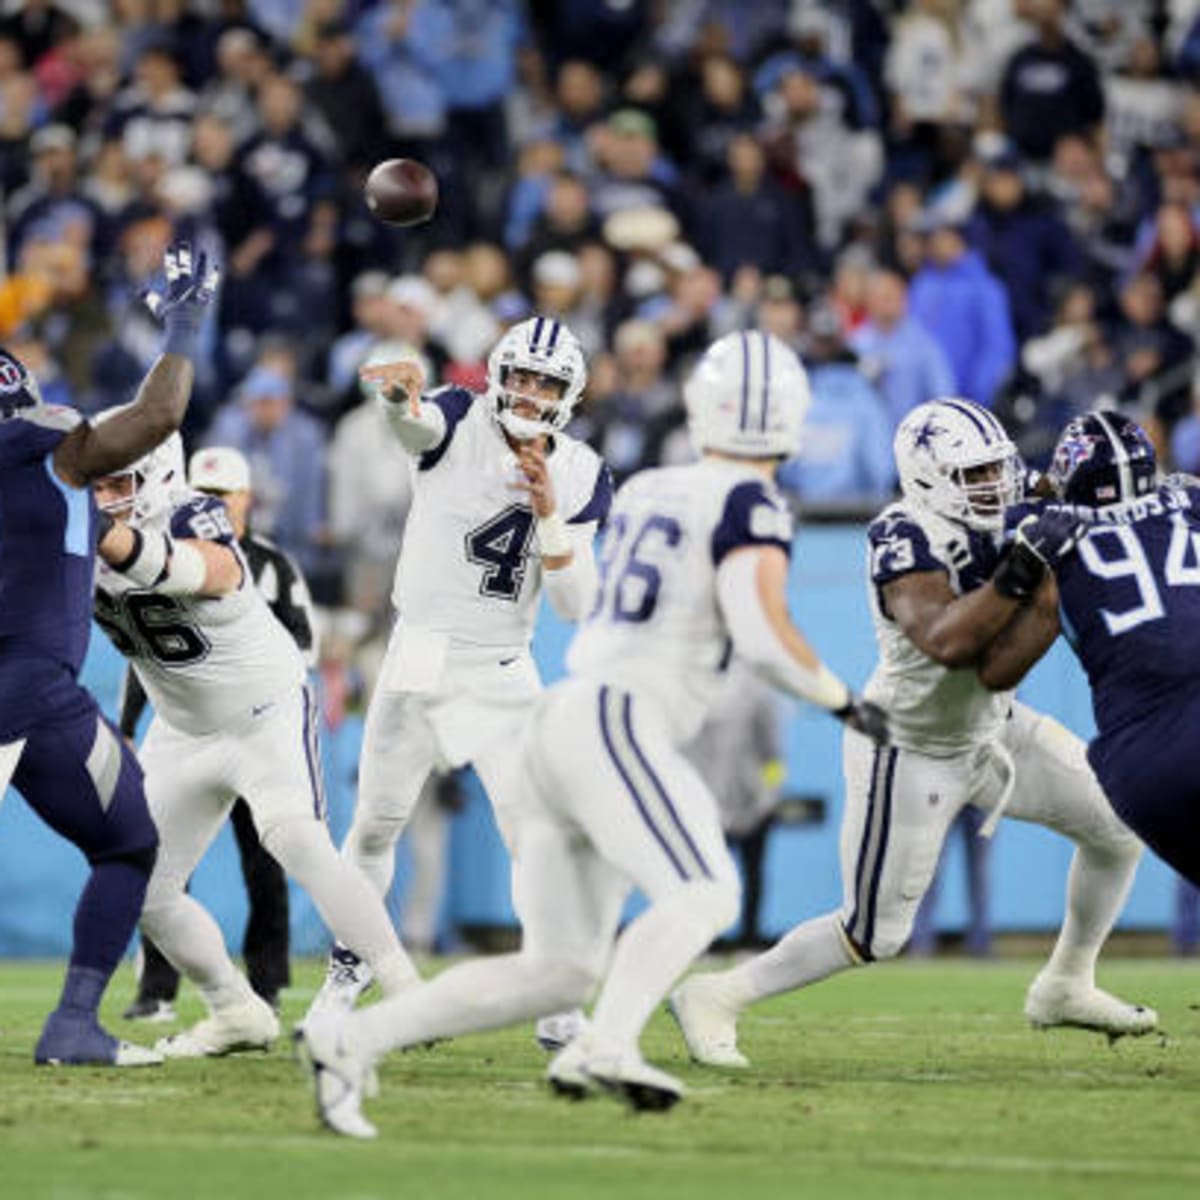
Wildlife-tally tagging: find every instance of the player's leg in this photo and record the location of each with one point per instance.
(573, 902)
(278, 771)
(190, 798)
(265, 944)
(1056, 787)
(158, 985)
(78, 775)
(899, 806)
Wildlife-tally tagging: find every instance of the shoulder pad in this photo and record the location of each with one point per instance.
(202, 517)
(899, 546)
(754, 514)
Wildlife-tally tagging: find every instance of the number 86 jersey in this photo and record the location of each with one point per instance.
(205, 661)
(656, 627)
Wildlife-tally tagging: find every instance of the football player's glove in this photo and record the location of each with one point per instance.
(181, 298)
(1042, 541)
(864, 717)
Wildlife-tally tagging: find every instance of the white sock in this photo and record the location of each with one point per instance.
(186, 933)
(651, 955)
(351, 908)
(1097, 887)
(471, 997)
(810, 952)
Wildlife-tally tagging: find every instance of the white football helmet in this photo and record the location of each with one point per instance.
(159, 481)
(545, 346)
(938, 444)
(748, 397)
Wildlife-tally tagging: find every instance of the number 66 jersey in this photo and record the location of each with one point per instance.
(656, 627)
(204, 661)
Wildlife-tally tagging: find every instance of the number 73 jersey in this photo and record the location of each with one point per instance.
(656, 627)
(205, 662)
(1129, 600)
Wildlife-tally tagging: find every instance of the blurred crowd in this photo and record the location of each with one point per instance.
(996, 198)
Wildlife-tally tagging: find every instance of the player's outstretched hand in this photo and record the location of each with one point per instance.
(189, 283)
(399, 382)
(866, 718)
(1051, 534)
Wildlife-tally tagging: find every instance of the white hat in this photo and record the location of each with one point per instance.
(219, 469)
(413, 291)
(557, 268)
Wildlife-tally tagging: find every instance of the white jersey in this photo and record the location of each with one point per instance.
(932, 709)
(657, 627)
(205, 662)
(471, 567)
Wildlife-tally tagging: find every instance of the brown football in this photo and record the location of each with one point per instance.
(401, 191)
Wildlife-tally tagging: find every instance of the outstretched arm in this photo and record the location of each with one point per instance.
(1012, 655)
(91, 451)
(418, 426)
(174, 566)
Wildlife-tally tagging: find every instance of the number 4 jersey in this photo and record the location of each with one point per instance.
(204, 661)
(471, 567)
(656, 627)
(1130, 603)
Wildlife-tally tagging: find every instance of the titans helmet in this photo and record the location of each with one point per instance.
(956, 460)
(748, 397)
(18, 388)
(1103, 458)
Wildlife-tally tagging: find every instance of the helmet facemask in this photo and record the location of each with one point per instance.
(531, 402)
(978, 494)
(150, 488)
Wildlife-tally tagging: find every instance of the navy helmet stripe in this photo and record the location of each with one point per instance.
(537, 335)
(606, 734)
(639, 754)
(766, 383)
(555, 326)
(744, 412)
(968, 412)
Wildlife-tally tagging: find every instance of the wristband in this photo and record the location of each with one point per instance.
(181, 333)
(553, 537)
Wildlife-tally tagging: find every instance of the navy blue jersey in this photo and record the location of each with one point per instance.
(47, 544)
(1130, 604)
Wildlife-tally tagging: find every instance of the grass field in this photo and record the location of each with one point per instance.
(913, 1080)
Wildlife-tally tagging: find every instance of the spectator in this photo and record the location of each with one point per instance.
(1143, 109)
(1050, 87)
(723, 108)
(565, 222)
(371, 312)
(964, 307)
(406, 318)
(846, 451)
(286, 451)
(345, 95)
(52, 207)
(750, 220)
(579, 91)
(896, 353)
(242, 67)
(779, 313)
(1174, 255)
(629, 174)
(1024, 242)
(1155, 355)
(153, 117)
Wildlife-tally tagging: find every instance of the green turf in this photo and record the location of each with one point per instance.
(910, 1080)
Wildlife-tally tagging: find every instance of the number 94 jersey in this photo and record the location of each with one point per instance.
(204, 661)
(656, 627)
(1130, 602)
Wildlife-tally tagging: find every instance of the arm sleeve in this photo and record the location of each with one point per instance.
(572, 589)
(133, 703)
(759, 646)
(416, 434)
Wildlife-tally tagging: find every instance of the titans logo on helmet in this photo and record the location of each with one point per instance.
(17, 387)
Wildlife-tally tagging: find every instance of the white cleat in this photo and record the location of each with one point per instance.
(567, 1073)
(556, 1032)
(346, 978)
(1053, 1000)
(252, 1025)
(129, 1054)
(630, 1078)
(340, 1077)
(708, 1022)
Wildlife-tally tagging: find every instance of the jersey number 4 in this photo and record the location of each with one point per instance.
(630, 591)
(501, 547)
(1131, 562)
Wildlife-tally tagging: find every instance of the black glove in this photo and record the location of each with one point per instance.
(864, 717)
(1042, 541)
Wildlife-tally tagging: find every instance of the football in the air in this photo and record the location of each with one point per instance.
(402, 191)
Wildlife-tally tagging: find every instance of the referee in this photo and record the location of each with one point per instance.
(224, 472)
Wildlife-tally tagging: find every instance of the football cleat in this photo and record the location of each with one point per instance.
(346, 978)
(556, 1032)
(1053, 1000)
(708, 1022)
(77, 1040)
(341, 1077)
(153, 1012)
(251, 1025)
(630, 1078)
(567, 1073)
